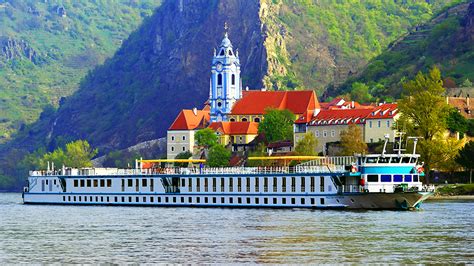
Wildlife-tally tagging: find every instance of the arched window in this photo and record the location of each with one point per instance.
(256, 119)
(222, 52)
(219, 79)
(233, 79)
(230, 52)
(244, 119)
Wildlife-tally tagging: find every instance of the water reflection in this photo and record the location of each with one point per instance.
(440, 233)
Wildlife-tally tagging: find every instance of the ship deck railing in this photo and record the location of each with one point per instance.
(193, 171)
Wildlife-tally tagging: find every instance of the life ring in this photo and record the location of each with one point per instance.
(354, 169)
(420, 169)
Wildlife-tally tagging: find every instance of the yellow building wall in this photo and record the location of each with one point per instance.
(376, 129)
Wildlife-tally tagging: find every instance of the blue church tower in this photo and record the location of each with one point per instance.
(225, 84)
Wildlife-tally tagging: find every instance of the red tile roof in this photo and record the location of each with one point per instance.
(465, 106)
(255, 102)
(339, 103)
(235, 128)
(190, 119)
(387, 110)
(353, 116)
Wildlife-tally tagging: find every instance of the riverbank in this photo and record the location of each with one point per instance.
(459, 197)
(454, 192)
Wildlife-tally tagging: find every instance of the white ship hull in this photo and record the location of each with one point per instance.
(303, 190)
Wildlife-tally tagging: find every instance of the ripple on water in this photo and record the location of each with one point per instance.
(441, 233)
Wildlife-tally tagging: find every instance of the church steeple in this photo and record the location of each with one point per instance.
(225, 87)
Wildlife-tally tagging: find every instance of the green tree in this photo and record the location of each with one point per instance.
(218, 156)
(466, 158)
(456, 122)
(78, 154)
(444, 152)
(58, 157)
(466, 83)
(260, 151)
(277, 125)
(307, 145)
(360, 92)
(183, 155)
(351, 141)
(424, 112)
(206, 138)
(470, 127)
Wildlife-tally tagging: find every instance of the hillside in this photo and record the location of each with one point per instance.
(47, 47)
(324, 42)
(445, 41)
(164, 65)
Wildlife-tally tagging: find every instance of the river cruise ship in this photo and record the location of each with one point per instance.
(375, 181)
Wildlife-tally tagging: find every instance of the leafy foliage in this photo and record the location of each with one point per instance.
(52, 52)
(206, 138)
(277, 125)
(307, 145)
(444, 152)
(456, 122)
(424, 112)
(443, 41)
(260, 151)
(183, 155)
(360, 93)
(423, 107)
(78, 154)
(327, 40)
(352, 141)
(218, 156)
(466, 156)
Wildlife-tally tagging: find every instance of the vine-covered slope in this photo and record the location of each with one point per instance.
(46, 47)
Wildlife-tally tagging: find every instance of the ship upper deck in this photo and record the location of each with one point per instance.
(192, 171)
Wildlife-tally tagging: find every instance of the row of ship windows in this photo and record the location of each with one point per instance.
(192, 200)
(244, 184)
(194, 184)
(92, 183)
(394, 178)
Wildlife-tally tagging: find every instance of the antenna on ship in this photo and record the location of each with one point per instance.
(398, 142)
(387, 137)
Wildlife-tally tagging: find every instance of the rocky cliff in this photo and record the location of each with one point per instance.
(162, 68)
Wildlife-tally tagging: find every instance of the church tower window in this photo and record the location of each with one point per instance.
(233, 79)
(219, 79)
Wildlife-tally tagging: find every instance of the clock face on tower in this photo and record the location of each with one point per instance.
(219, 67)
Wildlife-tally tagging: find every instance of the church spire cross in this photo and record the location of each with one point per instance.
(226, 27)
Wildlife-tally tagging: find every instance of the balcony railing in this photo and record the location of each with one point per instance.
(194, 171)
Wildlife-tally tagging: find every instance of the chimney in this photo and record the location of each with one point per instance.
(352, 104)
(467, 101)
(195, 111)
(246, 88)
(447, 99)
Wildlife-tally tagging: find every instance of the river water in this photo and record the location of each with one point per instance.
(442, 232)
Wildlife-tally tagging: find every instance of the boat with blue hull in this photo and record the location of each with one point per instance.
(374, 181)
